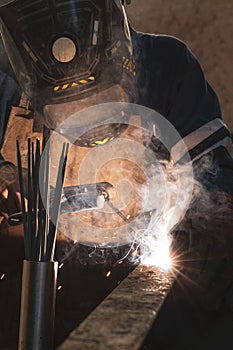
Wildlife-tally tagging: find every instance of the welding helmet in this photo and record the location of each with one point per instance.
(64, 51)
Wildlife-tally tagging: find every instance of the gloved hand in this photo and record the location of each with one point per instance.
(9, 190)
(203, 250)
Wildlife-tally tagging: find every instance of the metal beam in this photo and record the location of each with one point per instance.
(124, 318)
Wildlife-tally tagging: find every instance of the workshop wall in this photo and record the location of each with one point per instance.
(206, 26)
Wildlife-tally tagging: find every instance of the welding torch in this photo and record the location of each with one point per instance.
(79, 198)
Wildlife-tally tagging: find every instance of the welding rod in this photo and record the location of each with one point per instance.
(117, 211)
(39, 270)
(56, 203)
(39, 226)
(24, 218)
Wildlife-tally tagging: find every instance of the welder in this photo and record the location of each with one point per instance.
(59, 57)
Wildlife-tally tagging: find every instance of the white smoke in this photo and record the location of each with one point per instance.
(153, 194)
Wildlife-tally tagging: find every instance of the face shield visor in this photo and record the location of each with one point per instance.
(63, 52)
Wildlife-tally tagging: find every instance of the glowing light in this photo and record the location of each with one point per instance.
(59, 288)
(102, 142)
(158, 254)
(108, 274)
(61, 265)
(2, 276)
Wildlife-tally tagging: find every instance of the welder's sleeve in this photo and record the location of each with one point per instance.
(194, 110)
(171, 82)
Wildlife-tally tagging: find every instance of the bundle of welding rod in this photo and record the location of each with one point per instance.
(39, 214)
(40, 219)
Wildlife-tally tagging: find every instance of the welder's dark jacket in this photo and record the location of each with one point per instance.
(171, 82)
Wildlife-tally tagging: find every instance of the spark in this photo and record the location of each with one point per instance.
(108, 274)
(59, 287)
(179, 260)
(61, 265)
(2, 276)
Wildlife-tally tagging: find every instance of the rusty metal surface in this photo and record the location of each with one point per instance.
(123, 319)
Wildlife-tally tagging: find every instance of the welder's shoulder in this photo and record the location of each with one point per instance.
(164, 42)
(165, 48)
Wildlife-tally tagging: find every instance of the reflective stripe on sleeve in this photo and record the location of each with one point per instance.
(208, 131)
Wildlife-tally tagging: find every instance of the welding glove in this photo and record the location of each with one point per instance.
(203, 251)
